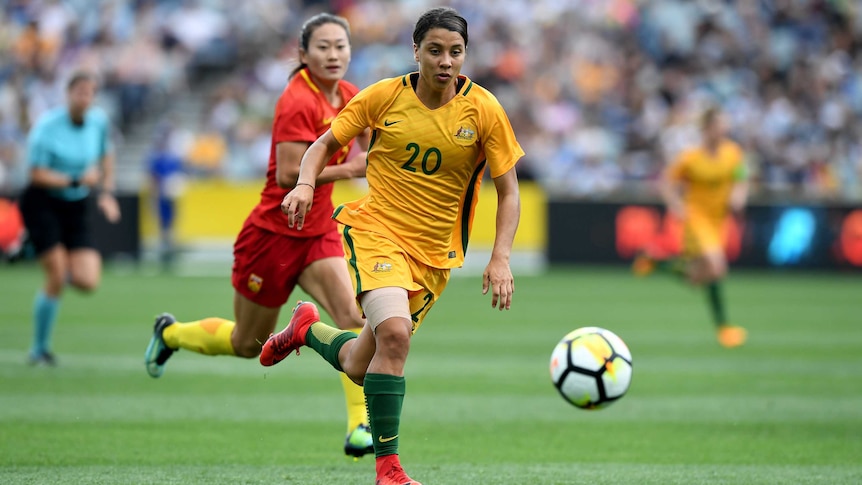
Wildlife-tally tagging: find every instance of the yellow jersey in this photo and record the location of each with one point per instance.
(425, 166)
(708, 178)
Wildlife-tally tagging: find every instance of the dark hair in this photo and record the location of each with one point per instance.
(310, 26)
(443, 18)
(79, 77)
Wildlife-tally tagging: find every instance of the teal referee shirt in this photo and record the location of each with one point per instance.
(56, 143)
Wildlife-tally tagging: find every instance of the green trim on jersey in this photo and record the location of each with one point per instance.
(469, 87)
(468, 205)
(740, 173)
(370, 144)
(352, 261)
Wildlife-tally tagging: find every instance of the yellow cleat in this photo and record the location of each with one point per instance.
(730, 336)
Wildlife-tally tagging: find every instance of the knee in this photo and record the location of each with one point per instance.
(55, 281)
(87, 285)
(54, 287)
(348, 320)
(393, 341)
(717, 271)
(248, 349)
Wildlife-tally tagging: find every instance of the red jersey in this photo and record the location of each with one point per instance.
(301, 115)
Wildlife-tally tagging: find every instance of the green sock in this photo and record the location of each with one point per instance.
(716, 302)
(674, 266)
(327, 341)
(384, 395)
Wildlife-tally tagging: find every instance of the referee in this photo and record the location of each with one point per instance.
(70, 159)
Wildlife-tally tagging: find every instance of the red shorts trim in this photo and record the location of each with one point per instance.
(267, 265)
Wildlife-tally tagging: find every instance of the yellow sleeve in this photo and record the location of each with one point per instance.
(501, 148)
(360, 112)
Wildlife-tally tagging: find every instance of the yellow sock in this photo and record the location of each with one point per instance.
(354, 397)
(210, 336)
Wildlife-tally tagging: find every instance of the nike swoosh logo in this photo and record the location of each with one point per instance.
(381, 438)
(327, 121)
(390, 123)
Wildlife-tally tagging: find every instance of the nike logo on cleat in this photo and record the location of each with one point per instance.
(390, 123)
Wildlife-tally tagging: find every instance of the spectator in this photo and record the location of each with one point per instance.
(787, 74)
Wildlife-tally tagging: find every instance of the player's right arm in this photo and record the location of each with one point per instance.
(298, 201)
(288, 154)
(670, 189)
(288, 157)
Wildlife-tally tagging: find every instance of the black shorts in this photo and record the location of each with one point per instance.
(51, 221)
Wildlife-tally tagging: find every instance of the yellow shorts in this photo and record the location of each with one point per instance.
(376, 262)
(703, 235)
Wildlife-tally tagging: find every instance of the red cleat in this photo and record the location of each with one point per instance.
(389, 472)
(282, 344)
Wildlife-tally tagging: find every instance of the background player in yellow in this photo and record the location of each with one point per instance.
(433, 134)
(699, 188)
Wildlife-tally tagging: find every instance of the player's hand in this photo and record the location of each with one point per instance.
(498, 278)
(91, 177)
(296, 204)
(110, 207)
(737, 203)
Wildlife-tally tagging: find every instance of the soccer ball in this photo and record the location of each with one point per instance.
(591, 367)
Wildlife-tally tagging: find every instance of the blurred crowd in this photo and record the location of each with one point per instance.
(602, 93)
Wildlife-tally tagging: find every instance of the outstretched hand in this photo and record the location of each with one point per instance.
(110, 207)
(296, 204)
(498, 278)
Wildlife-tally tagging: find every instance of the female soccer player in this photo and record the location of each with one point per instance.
(69, 152)
(270, 258)
(699, 188)
(433, 134)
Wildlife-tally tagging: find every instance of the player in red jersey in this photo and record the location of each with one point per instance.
(270, 258)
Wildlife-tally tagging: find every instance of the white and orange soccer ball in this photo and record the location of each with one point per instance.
(591, 367)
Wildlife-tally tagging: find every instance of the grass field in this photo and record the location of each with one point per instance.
(480, 409)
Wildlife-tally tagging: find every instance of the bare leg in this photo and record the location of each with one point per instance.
(85, 269)
(55, 263)
(254, 323)
(393, 343)
(328, 282)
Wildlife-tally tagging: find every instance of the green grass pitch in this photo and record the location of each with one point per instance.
(480, 408)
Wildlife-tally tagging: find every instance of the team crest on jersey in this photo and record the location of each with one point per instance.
(465, 134)
(255, 282)
(382, 268)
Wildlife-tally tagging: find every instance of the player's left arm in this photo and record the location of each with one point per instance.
(106, 200)
(739, 190)
(498, 274)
